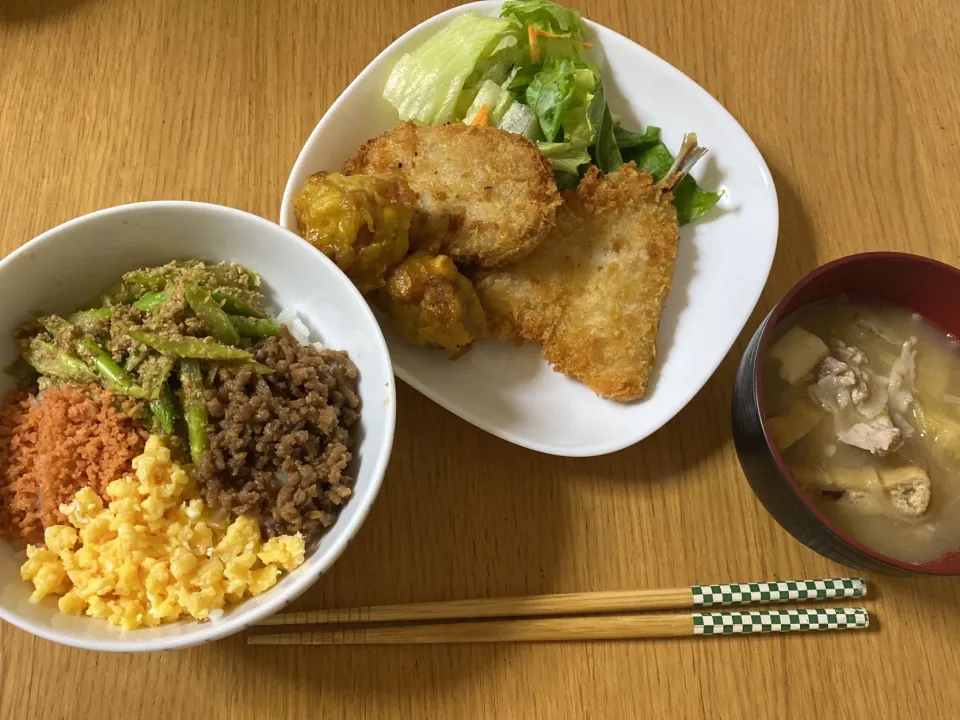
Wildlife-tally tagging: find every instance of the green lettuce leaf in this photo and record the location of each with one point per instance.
(543, 14)
(649, 152)
(563, 48)
(425, 85)
(522, 77)
(654, 158)
(606, 152)
(627, 139)
(551, 93)
(566, 157)
(575, 122)
(692, 201)
(495, 67)
(563, 23)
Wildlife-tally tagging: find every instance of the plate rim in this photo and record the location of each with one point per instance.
(599, 448)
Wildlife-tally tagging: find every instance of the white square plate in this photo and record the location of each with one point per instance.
(722, 265)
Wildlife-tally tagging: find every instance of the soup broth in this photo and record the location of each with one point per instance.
(863, 403)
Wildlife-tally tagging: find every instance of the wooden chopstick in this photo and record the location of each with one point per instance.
(698, 596)
(609, 627)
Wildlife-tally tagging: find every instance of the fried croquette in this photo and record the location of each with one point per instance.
(593, 292)
(433, 304)
(360, 222)
(486, 196)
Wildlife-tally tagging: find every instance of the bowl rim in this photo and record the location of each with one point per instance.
(684, 398)
(316, 565)
(776, 316)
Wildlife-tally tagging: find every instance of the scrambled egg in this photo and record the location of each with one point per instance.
(155, 553)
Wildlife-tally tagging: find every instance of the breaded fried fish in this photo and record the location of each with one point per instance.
(593, 291)
(486, 196)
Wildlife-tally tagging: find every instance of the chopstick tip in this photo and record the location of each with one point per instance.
(264, 639)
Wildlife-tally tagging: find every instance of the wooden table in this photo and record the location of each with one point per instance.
(855, 106)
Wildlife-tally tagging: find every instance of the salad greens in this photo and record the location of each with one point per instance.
(543, 14)
(529, 72)
(649, 153)
(426, 84)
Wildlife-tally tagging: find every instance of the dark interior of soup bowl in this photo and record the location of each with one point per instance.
(915, 283)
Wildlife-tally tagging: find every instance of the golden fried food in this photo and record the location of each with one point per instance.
(433, 304)
(362, 223)
(593, 292)
(486, 196)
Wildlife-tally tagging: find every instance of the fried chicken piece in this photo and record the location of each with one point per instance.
(593, 292)
(362, 223)
(486, 196)
(433, 304)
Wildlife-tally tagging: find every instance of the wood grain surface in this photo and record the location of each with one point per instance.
(855, 106)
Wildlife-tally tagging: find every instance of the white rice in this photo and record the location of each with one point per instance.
(300, 332)
(299, 329)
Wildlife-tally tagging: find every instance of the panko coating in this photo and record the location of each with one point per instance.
(156, 553)
(433, 304)
(486, 196)
(593, 292)
(362, 223)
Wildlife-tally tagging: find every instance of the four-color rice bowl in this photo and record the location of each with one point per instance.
(65, 267)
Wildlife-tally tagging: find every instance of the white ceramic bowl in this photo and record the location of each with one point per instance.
(721, 269)
(72, 263)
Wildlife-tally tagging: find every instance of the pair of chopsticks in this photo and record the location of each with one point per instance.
(581, 616)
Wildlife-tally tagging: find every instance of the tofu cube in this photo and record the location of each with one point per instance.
(798, 353)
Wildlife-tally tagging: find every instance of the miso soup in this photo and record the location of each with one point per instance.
(863, 403)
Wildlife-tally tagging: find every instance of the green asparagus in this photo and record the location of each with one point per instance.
(235, 305)
(135, 358)
(225, 298)
(49, 359)
(90, 321)
(153, 373)
(123, 293)
(254, 327)
(194, 408)
(64, 333)
(151, 301)
(189, 347)
(145, 281)
(212, 316)
(117, 378)
(164, 409)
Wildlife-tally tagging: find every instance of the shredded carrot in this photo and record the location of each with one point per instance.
(588, 46)
(534, 50)
(533, 32)
(481, 118)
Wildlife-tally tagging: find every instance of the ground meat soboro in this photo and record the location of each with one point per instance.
(280, 443)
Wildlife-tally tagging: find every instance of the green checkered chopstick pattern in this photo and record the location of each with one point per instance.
(767, 621)
(771, 592)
